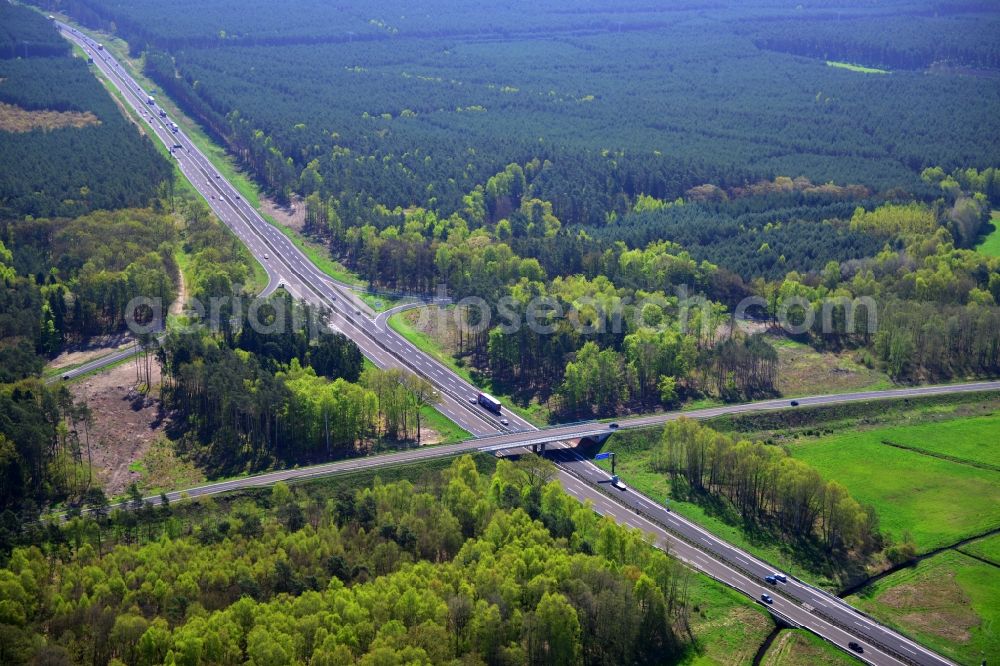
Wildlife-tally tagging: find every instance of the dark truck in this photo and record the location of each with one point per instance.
(489, 402)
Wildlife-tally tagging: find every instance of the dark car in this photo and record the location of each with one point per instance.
(795, 403)
(766, 598)
(771, 580)
(613, 426)
(856, 647)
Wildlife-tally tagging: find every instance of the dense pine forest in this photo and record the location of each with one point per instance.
(72, 170)
(619, 153)
(22, 35)
(683, 106)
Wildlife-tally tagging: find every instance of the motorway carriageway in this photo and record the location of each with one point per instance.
(288, 267)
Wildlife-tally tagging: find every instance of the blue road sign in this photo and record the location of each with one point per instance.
(603, 456)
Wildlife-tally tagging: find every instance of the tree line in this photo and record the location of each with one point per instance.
(45, 454)
(765, 486)
(961, 39)
(241, 399)
(932, 301)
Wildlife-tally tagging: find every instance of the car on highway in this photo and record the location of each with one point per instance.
(857, 647)
(267, 256)
(766, 598)
(795, 403)
(613, 426)
(617, 483)
(473, 400)
(771, 580)
(780, 577)
(504, 422)
(65, 376)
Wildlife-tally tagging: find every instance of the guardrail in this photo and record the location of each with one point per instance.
(749, 574)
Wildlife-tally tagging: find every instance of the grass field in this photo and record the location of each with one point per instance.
(788, 425)
(804, 371)
(987, 548)
(938, 501)
(730, 628)
(445, 427)
(949, 602)
(856, 68)
(796, 647)
(163, 470)
(971, 439)
(991, 244)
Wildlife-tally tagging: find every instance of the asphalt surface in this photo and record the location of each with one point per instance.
(96, 364)
(287, 267)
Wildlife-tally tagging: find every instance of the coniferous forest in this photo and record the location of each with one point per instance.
(69, 171)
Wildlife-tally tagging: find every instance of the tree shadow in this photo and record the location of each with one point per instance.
(806, 550)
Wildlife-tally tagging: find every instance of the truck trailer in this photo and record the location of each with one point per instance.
(489, 402)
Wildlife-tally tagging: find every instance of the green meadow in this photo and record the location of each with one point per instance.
(861, 69)
(949, 602)
(991, 244)
(937, 501)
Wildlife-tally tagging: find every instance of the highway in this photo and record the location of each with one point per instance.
(96, 364)
(289, 268)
